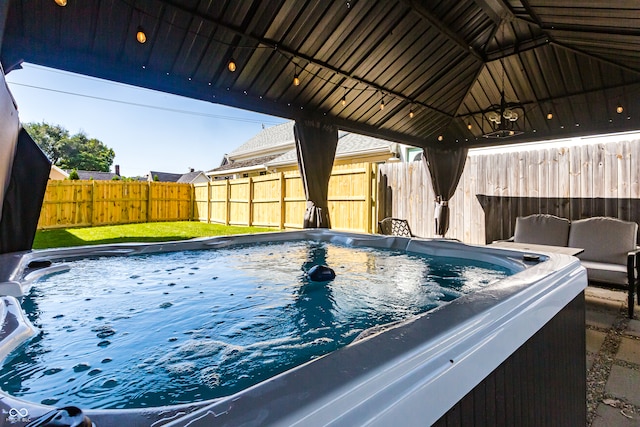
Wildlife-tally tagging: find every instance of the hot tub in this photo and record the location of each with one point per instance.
(511, 353)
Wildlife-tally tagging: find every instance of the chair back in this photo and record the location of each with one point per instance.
(604, 239)
(395, 227)
(542, 229)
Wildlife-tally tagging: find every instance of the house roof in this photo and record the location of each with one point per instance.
(447, 61)
(189, 177)
(256, 161)
(348, 145)
(96, 175)
(164, 176)
(270, 138)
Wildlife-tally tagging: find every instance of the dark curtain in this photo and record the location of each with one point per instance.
(316, 149)
(445, 167)
(23, 197)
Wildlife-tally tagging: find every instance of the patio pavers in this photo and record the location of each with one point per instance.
(613, 348)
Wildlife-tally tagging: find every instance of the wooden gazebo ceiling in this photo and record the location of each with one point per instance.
(444, 60)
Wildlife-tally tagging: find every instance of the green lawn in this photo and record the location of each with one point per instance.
(145, 232)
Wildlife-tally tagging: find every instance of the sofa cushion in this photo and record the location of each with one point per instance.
(542, 229)
(606, 240)
(606, 273)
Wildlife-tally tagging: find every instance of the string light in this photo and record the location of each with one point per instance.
(619, 109)
(140, 35)
(61, 2)
(549, 115)
(231, 65)
(440, 138)
(296, 79)
(469, 126)
(411, 113)
(343, 101)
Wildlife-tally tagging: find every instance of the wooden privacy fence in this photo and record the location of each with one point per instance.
(277, 200)
(93, 203)
(573, 181)
(274, 200)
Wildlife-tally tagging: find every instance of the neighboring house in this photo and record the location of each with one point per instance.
(191, 177)
(274, 150)
(58, 174)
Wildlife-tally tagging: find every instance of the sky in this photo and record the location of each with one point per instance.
(148, 130)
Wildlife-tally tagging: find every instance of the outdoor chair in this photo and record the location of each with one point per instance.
(542, 229)
(395, 227)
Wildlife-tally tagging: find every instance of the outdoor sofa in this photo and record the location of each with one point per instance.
(610, 247)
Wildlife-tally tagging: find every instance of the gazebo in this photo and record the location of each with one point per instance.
(445, 77)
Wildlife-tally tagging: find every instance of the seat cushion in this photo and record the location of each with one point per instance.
(542, 229)
(606, 273)
(604, 239)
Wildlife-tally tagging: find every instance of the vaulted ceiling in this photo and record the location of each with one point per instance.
(443, 62)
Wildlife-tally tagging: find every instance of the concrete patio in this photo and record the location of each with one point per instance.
(613, 360)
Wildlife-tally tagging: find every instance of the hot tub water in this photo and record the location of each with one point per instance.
(177, 327)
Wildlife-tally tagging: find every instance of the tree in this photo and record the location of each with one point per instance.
(71, 151)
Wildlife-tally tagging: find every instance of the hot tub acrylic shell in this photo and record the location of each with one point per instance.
(409, 373)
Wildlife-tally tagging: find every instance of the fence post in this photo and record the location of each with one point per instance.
(283, 189)
(250, 203)
(93, 201)
(227, 204)
(148, 200)
(367, 197)
(209, 202)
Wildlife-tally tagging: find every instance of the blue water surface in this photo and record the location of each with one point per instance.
(161, 329)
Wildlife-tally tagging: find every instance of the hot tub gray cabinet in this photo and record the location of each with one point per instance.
(510, 354)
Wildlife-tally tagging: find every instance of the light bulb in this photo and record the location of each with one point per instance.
(343, 101)
(469, 126)
(296, 80)
(141, 36)
(382, 105)
(61, 2)
(411, 114)
(549, 115)
(231, 65)
(619, 109)
(440, 137)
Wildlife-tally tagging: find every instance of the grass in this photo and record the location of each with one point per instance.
(144, 232)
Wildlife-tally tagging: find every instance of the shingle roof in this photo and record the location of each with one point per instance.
(246, 163)
(188, 177)
(348, 144)
(96, 175)
(165, 176)
(268, 138)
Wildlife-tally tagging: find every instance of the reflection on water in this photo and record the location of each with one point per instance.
(187, 326)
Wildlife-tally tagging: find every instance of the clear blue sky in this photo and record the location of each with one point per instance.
(161, 132)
